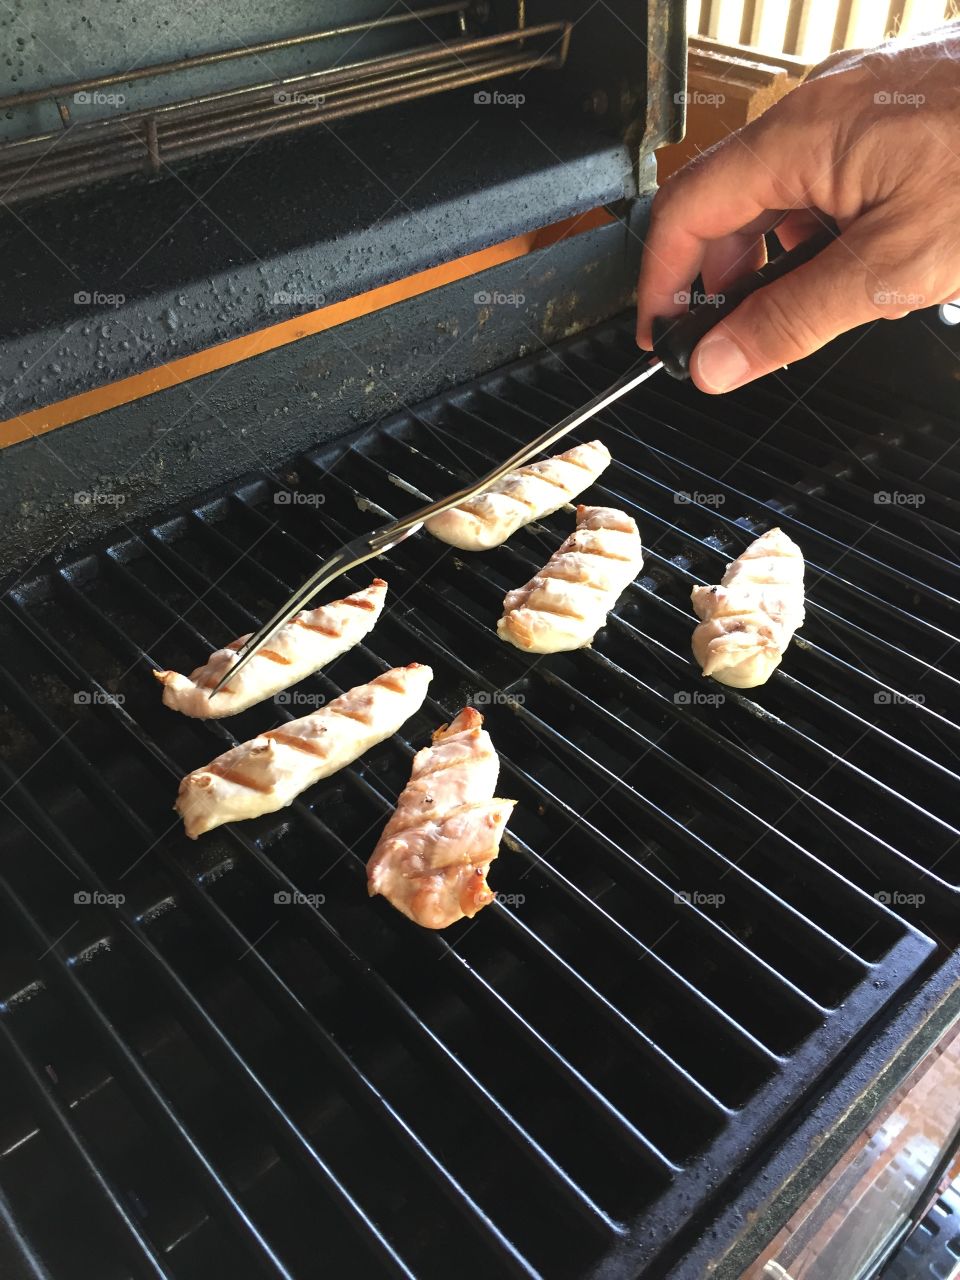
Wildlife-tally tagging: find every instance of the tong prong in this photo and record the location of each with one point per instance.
(369, 545)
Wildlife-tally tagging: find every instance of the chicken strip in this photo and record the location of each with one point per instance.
(270, 771)
(432, 859)
(521, 497)
(567, 602)
(306, 643)
(748, 620)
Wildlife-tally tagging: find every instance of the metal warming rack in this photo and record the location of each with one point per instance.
(144, 140)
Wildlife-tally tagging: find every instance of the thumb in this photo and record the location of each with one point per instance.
(790, 318)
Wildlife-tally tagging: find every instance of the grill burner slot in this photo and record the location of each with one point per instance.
(570, 1075)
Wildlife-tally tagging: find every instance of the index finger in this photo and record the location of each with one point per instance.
(729, 191)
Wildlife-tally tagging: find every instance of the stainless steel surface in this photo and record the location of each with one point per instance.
(357, 551)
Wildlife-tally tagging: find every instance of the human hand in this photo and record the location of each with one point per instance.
(871, 140)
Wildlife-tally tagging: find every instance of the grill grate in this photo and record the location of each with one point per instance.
(206, 1076)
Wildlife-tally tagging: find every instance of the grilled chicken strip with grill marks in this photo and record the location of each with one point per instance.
(567, 602)
(309, 641)
(748, 620)
(270, 771)
(536, 490)
(432, 859)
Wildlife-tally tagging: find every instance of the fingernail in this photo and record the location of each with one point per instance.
(720, 363)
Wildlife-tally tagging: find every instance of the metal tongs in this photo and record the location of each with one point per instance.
(674, 342)
(368, 545)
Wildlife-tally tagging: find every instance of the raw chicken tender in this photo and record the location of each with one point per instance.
(536, 490)
(432, 859)
(748, 620)
(567, 602)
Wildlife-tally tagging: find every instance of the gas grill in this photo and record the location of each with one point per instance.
(725, 933)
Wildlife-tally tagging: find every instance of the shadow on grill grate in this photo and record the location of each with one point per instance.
(694, 923)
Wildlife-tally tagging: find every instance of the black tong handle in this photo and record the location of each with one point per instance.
(674, 337)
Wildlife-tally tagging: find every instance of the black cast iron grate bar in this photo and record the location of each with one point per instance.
(620, 498)
(281, 881)
(704, 431)
(837, 948)
(185, 569)
(570, 942)
(701, 433)
(632, 441)
(135, 1246)
(637, 685)
(831, 756)
(272, 984)
(724, 940)
(510, 919)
